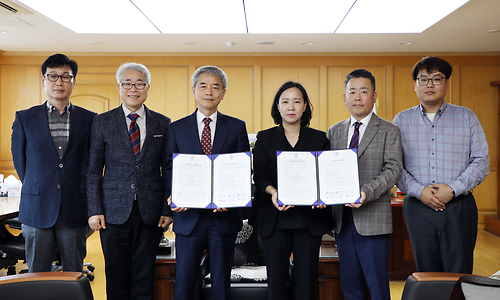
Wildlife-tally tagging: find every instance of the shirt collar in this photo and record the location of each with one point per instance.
(439, 112)
(140, 111)
(200, 117)
(51, 108)
(364, 121)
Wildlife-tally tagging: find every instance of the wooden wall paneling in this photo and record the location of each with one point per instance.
(388, 109)
(170, 91)
(257, 100)
(20, 86)
(404, 89)
(477, 94)
(321, 111)
(336, 108)
(92, 102)
(454, 86)
(274, 77)
(238, 101)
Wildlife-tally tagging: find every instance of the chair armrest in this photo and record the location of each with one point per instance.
(436, 276)
(41, 276)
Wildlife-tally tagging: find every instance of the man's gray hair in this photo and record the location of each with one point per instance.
(212, 70)
(132, 66)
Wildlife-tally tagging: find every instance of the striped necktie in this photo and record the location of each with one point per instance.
(135, 135)
(355, 136)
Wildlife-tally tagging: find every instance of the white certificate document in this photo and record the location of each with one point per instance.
(211, 181)
(192, 181)
(297, 183)
(232, 180)
(338, 176)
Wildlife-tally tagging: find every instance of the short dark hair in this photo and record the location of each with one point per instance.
(432, 64)
(360, 73)
(60, 60)
(306, 116)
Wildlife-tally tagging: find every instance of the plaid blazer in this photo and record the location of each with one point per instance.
(380, 161)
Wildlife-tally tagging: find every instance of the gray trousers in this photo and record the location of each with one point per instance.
(40, 246)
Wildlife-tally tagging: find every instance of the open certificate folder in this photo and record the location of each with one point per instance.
(211, 181)
(323, 177)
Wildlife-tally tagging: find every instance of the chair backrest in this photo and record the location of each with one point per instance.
(429, 285)
(470, 287)
(46, 286)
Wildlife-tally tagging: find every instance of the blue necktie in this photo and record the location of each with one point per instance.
(355, 136)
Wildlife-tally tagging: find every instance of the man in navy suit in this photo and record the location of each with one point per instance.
(50, 147)
(198, 230)
(128, 202)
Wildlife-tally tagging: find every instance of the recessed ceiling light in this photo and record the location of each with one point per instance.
(265, 43)
(405, 43)
(95, 43)
(230, 44)
(494, 31)
(4, 31)
(188, 43)
(307, 43)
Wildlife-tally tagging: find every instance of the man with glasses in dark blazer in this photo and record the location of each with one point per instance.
(126, 187)
(50, 148)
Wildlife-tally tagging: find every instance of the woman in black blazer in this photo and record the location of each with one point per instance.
(286, 229)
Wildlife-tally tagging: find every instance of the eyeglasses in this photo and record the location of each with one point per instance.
(138, 85)
(55, 77)
(425, 81)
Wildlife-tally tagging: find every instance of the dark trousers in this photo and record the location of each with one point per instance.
(278, 247)
(130, 255)
(362, 258)
(443, 241)
(189, 252)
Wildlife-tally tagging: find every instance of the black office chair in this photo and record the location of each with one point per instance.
(46, 286)
(11, 246)
(248, 277)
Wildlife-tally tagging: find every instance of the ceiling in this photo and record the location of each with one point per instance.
(464, 30)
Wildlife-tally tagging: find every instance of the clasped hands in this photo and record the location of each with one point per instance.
(436, 196)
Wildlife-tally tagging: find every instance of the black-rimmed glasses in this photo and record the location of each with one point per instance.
(138, 85)
(425, 81)
(55, 77)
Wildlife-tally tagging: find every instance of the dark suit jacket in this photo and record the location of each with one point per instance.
(183, 137)
(50, 183)
(380, 163)
(112, 194)
(265, 173)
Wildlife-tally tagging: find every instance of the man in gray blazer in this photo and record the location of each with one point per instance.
(363, 230)
(128, 202)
